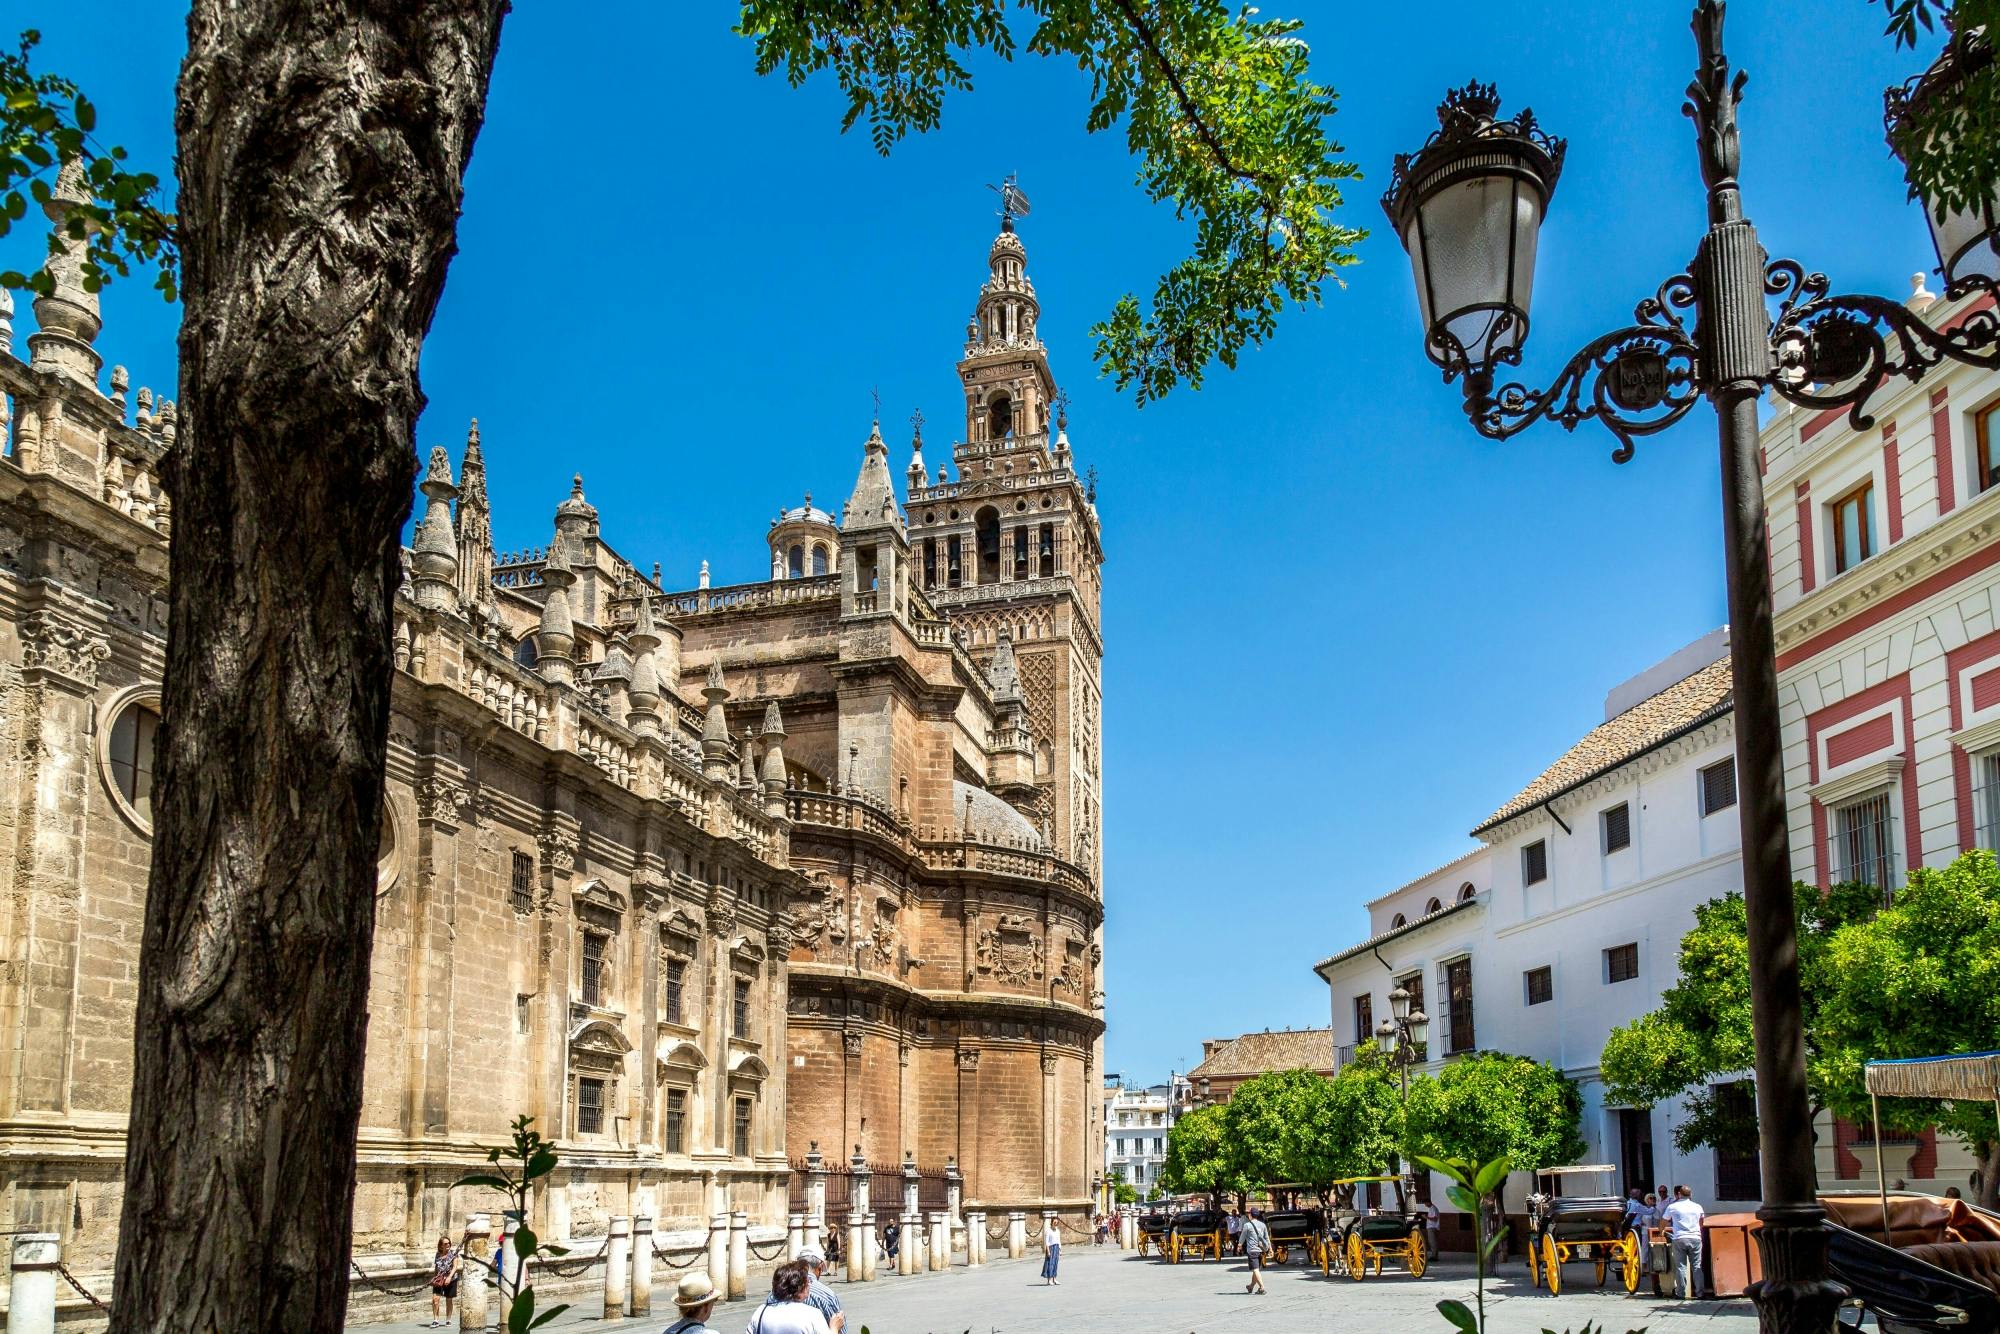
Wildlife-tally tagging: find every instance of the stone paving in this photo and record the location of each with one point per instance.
(1108, 1291)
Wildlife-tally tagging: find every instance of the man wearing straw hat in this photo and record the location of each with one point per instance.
(696, 1296)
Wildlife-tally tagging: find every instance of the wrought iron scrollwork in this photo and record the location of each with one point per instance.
(1836, 351)
(1637, 380)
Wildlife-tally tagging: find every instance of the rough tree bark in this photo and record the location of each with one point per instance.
(322, 152)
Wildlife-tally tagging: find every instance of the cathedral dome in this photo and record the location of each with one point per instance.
(987, 819)
(806, 513)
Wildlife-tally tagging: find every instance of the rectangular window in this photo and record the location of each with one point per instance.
(1986, 444)
(1364, 1018)
(1458, 1005)
(1617, 828)
(593, 968)
(590, 1107)
(1853, 527)
(1159, 1146)
(1541, 985)
(1986, 800)
(1718, 787)
(1621, 962)
(676, 990)
(1862, 842)
(1738, 1172)
(740, 1010)
(1535, 862)
(522, 895)
(739, 1142)
(677, 1114)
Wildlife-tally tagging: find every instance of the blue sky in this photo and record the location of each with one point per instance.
(1341, 627)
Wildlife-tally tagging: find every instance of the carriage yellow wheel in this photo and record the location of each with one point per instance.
(1417, 1262)
(1552, 1262)
(1600, 1271)
(1534, 1265)
(1357, 1263)
(1173, 1249)
(1628, 1269)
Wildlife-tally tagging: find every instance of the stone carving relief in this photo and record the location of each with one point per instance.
(52, 644)
(559, 847)
(1010, 951)
(1070, 974)
(1048, 1062)
(968, 1061)
(850, 1043)
(881, 941)
(443, 799)
(822, 927)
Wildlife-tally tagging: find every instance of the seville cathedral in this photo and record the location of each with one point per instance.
(703, 881)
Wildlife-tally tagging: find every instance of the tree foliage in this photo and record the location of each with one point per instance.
(1493, 1105)
(1950, 142)
(1201, 1156)
(1363, 1132)
(1700, 1033)
(1220, 108)
(46, 126)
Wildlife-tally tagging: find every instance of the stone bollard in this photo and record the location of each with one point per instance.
(795, 1235)
(641, 1300)
(617, 1266)
(869, 1246)
(31, 1289)
(718, 1252)
(473, 1273)
(906, 1245)
(857, 1267)
(940, 1246)
(975, 1238)
(1017, 1234)
(739, 1255)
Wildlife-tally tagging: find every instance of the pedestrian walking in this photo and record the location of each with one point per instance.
(1256, 1239)
(1433, 1234)
(892, 1237)
(444, 1281)
(695, 1297)
(1103, 1228)
(1684, 1233)
(1234, 1222)
(1051, 1253)
(788, 1311)
(817, 1292)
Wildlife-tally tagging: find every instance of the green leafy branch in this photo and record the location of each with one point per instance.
(46, 143)
(1949, 134)
(1219, 108)
(536, 1158)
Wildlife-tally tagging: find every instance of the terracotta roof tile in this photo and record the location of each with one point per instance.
(1679, 708)
(1256, 1053)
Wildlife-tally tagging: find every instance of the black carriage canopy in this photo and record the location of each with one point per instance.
(1973, 1077)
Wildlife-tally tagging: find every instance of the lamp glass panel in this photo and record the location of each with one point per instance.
(1474, 227)
(1972, 232)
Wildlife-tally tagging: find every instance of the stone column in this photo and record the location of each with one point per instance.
(940, 1245)
(868, 1246)
(641, 1299)
(954, 1191)
(617, 1266)
(863, 1253)
(975, 1238)
(718, 1252)
(31, 1288)
(795, 1235)
(509, 1263)
(857, 1268)
(1017, 1234)
(815, 1196)
(739, 1255)
(472, 1274)
(907, 1241)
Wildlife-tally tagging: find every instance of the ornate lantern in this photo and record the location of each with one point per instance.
(1469, 206)
(1967, 239)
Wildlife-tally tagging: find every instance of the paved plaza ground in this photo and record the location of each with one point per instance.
(1110, 1291)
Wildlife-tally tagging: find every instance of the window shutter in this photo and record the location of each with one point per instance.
(1718, 787)
(1618, 828)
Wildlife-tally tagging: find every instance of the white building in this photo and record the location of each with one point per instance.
(1567, 921)
(1136, 1122)
(1885, 558)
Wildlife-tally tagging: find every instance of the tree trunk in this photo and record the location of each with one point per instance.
(322, 153)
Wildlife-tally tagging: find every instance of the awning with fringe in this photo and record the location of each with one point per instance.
(1973, 1077)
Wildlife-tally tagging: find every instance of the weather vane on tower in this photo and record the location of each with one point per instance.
(1013, 204)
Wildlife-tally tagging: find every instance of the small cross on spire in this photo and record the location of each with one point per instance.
(917, 423)
(876, 394)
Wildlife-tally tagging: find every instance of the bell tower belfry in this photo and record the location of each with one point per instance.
(1011, 548)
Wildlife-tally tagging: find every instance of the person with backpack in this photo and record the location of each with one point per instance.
(1256, 1238)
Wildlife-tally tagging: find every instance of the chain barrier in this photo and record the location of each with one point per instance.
(1001, 1235)
(777, 1247)
(384, 1288)
(699, 1253)
(81, 1291)
(551, 1267)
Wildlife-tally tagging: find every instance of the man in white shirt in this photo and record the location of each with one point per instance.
(1234, 1221)
(1683, 1218)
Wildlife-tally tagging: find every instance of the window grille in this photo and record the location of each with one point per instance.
(1862, 843)
(1986, 799)
(1535, 862)
(740, 1140)
(1458, 1005)
(677, 1105)
(1621, 962)
(1364, 1018)
(1617, 828)
(1541, 985)
(589, 1106)
(522, 892)
(740, 1013)
(676, 984)
(1718, 787)
(593, 968)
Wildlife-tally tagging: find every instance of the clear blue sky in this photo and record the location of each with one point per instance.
(1341, 628)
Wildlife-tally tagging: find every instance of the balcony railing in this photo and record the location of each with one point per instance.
(1862, 844)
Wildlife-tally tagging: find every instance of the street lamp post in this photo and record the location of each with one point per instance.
(1402, 1034)
(1468, 207)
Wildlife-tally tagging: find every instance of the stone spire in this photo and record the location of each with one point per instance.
(6, 320)
(644, 694)
(917, 473)
(434, 567)
(475, 527)
(715, 727)
(773, 737)
(555, 637)
(1002, 673)
(1062, 454)
(746, 769)
(873, 504)
(67, 319)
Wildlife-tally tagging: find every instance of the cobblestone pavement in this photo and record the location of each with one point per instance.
(1110, 1291)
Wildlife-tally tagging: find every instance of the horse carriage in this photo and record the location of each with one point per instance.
(1153, 1232)
(1591, 1228)
(1295, 1229)
(1355, 1239)
(1195, 1234)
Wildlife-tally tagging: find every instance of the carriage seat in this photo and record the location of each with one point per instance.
(1914, 1220)
(1974, 1261)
